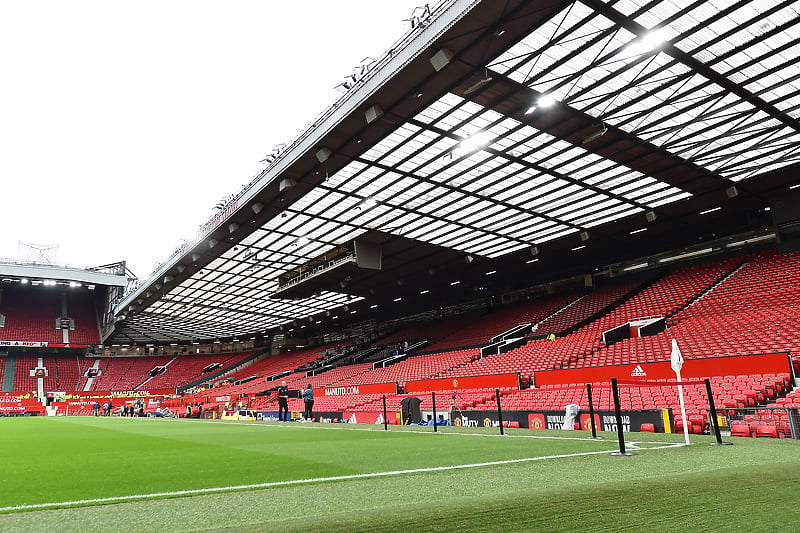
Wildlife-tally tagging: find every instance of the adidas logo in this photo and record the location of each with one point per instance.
(638, 371)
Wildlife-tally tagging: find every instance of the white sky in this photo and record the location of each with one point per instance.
(122, 123)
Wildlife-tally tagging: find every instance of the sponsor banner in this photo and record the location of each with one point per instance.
(369, 417)
(115, 394)
(21, 401)
(326, 417)
(370, 388)
(496, 381)
(604, 420)
(774, 363)
(27, 344)
(21, 408)
(15, 396)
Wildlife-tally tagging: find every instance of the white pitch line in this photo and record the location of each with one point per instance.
(256, 486)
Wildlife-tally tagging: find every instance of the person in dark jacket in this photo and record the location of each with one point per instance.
(283, 402)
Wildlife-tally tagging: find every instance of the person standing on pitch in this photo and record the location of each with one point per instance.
(283, 402)
(308, 400)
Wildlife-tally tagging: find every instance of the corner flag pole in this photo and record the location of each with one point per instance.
(676, 361)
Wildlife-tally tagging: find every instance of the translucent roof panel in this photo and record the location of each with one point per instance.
(646, 83)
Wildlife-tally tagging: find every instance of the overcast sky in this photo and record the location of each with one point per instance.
(122, 123)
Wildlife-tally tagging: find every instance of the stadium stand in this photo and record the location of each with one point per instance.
(184, 369)
(80, 308)
(31, 315)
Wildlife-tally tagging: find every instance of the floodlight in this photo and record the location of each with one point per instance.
(546, 100)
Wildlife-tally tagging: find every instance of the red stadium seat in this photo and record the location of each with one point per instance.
(648, 428)
(740, 428)
(767, 431)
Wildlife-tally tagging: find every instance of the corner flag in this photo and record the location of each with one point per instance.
(676, 359)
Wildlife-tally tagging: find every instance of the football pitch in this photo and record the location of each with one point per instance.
(121, 474)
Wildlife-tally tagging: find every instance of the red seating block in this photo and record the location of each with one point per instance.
(740, 428)
(767, 431)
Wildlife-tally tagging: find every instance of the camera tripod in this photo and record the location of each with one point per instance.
(456, 402)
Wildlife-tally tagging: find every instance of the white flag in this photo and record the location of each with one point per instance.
(676, 359)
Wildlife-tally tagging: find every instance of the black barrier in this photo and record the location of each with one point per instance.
(714, 419)
(385, 419)
(591, 410)
(618, 416)
(604, 419)
(435, 427)
(499, 411)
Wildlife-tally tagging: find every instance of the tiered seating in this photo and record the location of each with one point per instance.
(753, 311)
(582, 347)
(440, 333)
(126, 373)
(328, 378)
(487, 326)
(269, 366)
(68, 374)
(187, 368)
(23, 381)
(275, 364)
(414, 368)
(80, 308)
(31, 315)
(587, 306)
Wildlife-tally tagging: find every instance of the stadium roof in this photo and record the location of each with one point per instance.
(499, 144)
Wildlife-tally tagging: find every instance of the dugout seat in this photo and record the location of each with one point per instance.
(648, 428)
(678, 424)
(697, 424)
(740, 428)
(768, 431)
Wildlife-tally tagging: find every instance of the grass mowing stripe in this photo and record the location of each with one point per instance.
(595, 493)
(257, 486)
(87, 458)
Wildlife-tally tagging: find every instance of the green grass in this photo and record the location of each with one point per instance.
(52, 460)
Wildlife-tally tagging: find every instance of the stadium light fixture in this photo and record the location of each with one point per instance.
(645, 44)
(474, 141)
(546, 100)
(595, 134)
(478, 84)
